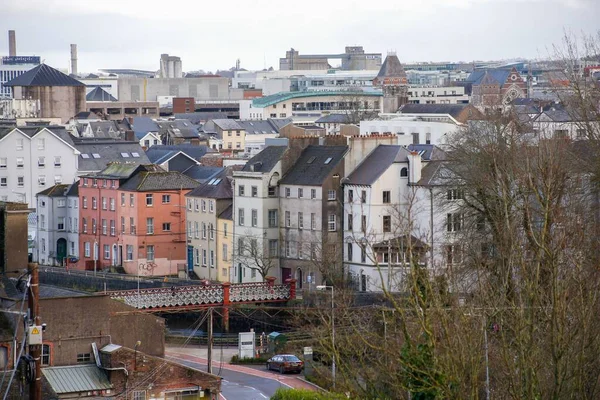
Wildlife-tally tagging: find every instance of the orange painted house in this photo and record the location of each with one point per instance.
(147, 205)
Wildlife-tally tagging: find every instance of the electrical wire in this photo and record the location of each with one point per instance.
(17, 324)
(152, 374)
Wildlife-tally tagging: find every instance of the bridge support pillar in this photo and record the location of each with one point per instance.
(226, 303)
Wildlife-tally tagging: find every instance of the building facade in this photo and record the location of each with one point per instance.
(204, 206)
(57, 236)
(32, 159)
(311, 216)
(256, 243)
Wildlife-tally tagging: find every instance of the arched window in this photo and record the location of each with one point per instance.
(404, 172)
(299, 278)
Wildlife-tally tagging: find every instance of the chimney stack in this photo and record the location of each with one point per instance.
(73, 59)
(12, 44)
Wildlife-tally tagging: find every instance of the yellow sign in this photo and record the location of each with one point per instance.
(35, 331)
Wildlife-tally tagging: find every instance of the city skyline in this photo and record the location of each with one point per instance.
(133, 34)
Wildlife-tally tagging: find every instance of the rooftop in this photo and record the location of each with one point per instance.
(43, 75)
(156, 153)
(54, 191)
(76, 378)
(96, 154)
(265, 160)
(149, 181)
(376, 163)
(391, 69)
(314, 165)
(218, 187)
(492, 76)
(99, 94)
(266, 101)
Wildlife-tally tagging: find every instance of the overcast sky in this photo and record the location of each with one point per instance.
(133, 33)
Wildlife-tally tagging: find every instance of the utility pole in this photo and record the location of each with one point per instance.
(210, 339)
(35, 351)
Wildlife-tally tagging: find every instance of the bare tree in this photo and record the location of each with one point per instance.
(254, 253)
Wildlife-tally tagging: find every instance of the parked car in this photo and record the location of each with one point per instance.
(285, 363)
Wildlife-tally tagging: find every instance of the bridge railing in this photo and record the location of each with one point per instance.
(217, 294)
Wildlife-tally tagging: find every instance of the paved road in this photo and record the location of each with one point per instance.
(241, 382)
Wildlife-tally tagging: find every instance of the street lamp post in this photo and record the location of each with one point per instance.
(324, 287)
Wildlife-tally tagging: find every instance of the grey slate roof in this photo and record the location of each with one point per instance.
(54, 191)
(310, 169)
(108, 151)
(73, 189)
(391, 68)
(218, 187)
(227, 213)
(280, 122)
(124, 170)
(105, 129)
(227, 124)
(144, 125)
(200, 117)
(376, 163)
(265, 160)
(156, 153)
(496, 75)
(99, 94)
(333, 119)
(202, 173)
(148, 181)
(560, 115)
(258, 127)
(428, 152)
(43, 75)
(76, 378)
(178, 128)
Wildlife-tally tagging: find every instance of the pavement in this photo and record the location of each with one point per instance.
(239, 382)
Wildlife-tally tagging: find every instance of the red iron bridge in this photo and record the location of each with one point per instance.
(198, 297)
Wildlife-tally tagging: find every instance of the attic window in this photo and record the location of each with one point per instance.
(125, 155)
(212, 181)
(328, 160)
(95, 155)
(310, 160)
(217, 181)
(135, 155)
(84, 155)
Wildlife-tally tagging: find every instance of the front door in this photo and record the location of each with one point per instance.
(190, 258)
(61, 250)
(286, 273)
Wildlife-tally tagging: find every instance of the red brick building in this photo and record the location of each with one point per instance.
(133, 216)
(183, 105)
(152, 222)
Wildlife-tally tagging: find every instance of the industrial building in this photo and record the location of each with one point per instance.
(353, 58)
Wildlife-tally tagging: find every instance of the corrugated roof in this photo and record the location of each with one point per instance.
(148, 181)
(265, 160)
(314, 165)
(99, 94)
(76, 378)
(43, 75)
(376, 163)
